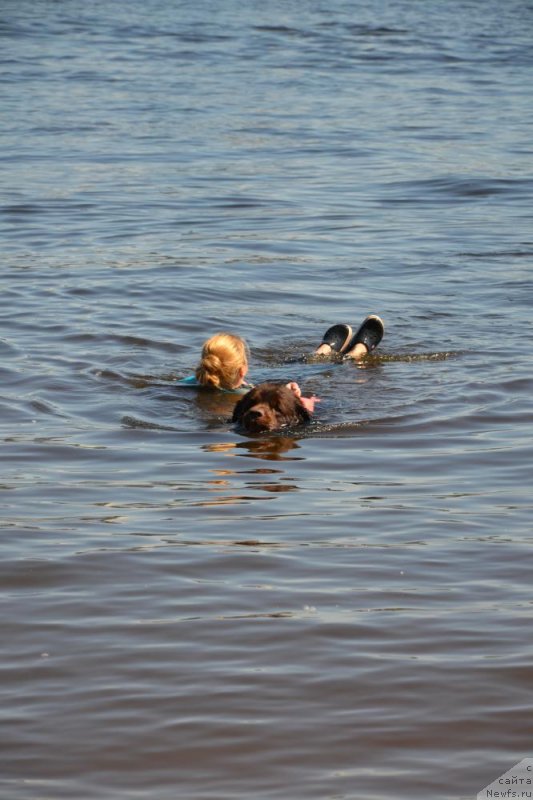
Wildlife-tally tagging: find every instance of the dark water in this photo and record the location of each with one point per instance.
(339, 612)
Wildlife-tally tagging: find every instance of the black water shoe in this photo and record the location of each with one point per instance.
(338, 337)
(370, 333)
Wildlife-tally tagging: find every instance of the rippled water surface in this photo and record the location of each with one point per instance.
(340, 611)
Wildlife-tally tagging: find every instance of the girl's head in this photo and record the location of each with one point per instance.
(224, 363)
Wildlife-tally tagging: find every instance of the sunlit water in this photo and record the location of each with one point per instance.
(340, 611)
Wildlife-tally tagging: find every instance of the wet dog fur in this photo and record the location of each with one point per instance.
(268, 407)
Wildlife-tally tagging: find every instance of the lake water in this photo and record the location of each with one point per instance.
(338, 612)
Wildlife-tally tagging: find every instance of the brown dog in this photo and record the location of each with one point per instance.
(269, 406)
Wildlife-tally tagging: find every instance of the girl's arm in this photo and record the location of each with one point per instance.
(308, 402)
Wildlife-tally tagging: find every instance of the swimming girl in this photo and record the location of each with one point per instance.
(224, 364)
(224, 360)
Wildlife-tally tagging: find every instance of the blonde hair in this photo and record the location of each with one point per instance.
(223, 356)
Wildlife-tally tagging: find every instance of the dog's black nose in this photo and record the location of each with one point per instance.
(255, 420)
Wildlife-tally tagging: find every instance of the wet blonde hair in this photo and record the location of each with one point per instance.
(223, 356)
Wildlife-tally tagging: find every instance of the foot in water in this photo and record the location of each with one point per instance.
(339, 339)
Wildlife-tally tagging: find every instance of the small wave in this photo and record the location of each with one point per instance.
(45, 407)
(452, 189)
(125, 339)
(22, 209)
(109, 375)
(377, 30)
(132, 422)
(409, 357)
(8, 349)
(500, 254)
(283, 30)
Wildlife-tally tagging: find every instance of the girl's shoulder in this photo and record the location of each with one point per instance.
(189, 381)
(244, 388)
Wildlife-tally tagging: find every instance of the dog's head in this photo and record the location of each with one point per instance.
(268, 407)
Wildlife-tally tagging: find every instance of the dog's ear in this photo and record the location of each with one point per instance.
(239, 409)
(303, 413)
(243, 405)
(291, 407)
(300, 412)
